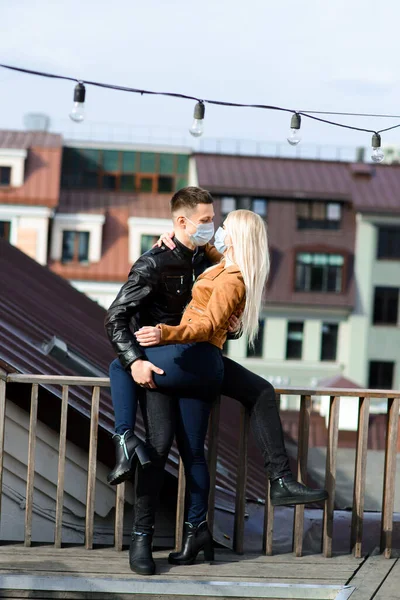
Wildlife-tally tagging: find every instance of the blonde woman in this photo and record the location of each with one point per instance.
(235, 285)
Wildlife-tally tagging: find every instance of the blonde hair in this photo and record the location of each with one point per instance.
(248, 232)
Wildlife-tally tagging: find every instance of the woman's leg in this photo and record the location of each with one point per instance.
(124, 394)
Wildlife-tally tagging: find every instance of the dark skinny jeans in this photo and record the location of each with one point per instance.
(193, 375)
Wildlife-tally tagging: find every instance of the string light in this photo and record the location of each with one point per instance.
(377, 154)
(294, 137)
(197, 128)
(77, 113)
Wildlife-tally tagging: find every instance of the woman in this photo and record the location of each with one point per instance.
(234, 285)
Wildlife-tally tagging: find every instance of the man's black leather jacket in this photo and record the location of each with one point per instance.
(158, 289)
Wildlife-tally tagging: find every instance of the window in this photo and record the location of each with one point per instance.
(318, 215)
(319, 272)
(5, 176)
(5, 227)
(388, 242)
(260, 206)
(381, 375)
(147, 242)
(228, 204)
(329, 341)
(386, 305)
(75, 246)
(125, 171)
(294, 342)
(257, 351)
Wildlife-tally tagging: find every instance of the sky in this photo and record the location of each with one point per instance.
(306, 55)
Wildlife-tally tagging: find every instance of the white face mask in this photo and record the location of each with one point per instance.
(203, 233)
(219, 240)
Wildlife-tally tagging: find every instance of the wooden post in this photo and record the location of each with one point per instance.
(61, 468)
(91, 483)
(119, 516)
(302, 458)
(180, 507)
(31, 464)
(240, 503)
(268, 523)
(330, 475)
(359, 477)
(389, 478)
(2, 424)
(212, 457)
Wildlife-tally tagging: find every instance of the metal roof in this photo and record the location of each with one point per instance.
(22, 140)
(368, 187)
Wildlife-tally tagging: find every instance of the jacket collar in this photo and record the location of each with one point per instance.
(185, 251)
(217, 270)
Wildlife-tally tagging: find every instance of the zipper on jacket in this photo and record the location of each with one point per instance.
(195, 308)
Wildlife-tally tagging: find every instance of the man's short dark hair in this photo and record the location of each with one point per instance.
(190, 197)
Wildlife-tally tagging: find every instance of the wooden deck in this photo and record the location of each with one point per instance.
(75, 573)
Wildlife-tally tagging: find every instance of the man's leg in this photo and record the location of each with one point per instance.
(258, 395)
(159, 415)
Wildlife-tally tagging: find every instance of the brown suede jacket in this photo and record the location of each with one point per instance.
(217, 294)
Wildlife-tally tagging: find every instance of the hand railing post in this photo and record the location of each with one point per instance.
(389, 478)
(359, 477)
(240, 504)
(302, 457)
(330, 475)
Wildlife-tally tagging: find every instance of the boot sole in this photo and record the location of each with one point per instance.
(122, 476)
(290, 500)
(143, 572)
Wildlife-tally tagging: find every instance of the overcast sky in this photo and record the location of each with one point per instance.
(312, 54)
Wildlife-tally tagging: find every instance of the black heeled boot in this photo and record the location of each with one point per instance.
(286, 490)
(195, 539)
(127, 447)
(140, 556)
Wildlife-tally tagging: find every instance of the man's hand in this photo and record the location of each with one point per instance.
(166, 239)
(142, 372)
(148, 336)
(234, 324)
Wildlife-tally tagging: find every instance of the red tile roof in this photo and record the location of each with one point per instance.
(373, 189)
(42, 168)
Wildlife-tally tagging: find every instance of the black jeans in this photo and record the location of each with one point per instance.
(161, 418)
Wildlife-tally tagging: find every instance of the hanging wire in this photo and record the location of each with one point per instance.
(305, 113)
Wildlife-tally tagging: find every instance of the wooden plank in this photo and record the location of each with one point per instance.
(212, 456)
(391, 585)
(119, 516)
(370, 577)
(91, 482)
(240, 502)
(330, 475)
(180, 507)
(61, 468)
(302, 458)
(359, 477)
(59, 380)
(31, 464)
(2, 424)
(268, 523)
(389, 478)
(353, 393)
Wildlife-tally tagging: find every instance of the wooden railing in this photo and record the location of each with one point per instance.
(96, 384)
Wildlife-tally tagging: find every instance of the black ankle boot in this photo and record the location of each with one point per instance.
(286, 490)
(140, 556)
(127, 447)
(195, 539)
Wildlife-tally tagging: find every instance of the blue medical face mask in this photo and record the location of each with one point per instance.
(203, 233)
(219, 240)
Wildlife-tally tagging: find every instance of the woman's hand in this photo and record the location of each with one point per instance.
(148, 336)
(166, 239)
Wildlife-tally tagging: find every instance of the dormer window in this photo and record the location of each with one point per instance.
(5, 176)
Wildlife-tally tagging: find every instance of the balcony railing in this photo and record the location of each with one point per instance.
(364, 396)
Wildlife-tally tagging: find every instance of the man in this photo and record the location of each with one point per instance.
(157, 291)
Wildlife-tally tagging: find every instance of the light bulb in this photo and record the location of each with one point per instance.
(197, 127)
(294, 136)
(77, 113)
(377, 155)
